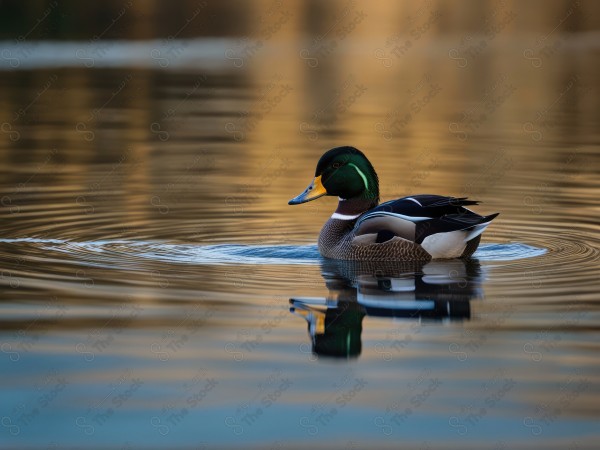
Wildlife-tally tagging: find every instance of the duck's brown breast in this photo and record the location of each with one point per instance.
(336, 241)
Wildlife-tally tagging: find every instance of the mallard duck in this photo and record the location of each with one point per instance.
(419, 227)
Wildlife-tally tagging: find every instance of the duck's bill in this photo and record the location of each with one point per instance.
(312, 192)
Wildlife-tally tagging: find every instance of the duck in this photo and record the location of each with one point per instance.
(418, 227)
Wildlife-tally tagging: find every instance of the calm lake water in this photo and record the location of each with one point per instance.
(158, 292)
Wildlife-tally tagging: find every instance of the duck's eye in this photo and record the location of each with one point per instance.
(336, 165)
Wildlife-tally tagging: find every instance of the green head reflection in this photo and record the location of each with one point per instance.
(434, 291)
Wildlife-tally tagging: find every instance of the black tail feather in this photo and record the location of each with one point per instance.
(490, 217)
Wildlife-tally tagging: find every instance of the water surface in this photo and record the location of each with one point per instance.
(155, 279)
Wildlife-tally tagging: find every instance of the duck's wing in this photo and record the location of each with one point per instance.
(419, 216)
(426, 205)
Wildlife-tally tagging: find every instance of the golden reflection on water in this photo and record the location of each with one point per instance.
(127, 176)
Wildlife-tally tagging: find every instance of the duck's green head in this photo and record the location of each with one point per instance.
(343, 172)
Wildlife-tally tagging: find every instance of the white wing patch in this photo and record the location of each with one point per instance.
(476, 231)
(445, 245)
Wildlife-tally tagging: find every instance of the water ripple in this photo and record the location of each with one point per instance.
(110, 252)
(507, 252)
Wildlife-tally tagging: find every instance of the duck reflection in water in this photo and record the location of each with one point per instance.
(436, 290)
